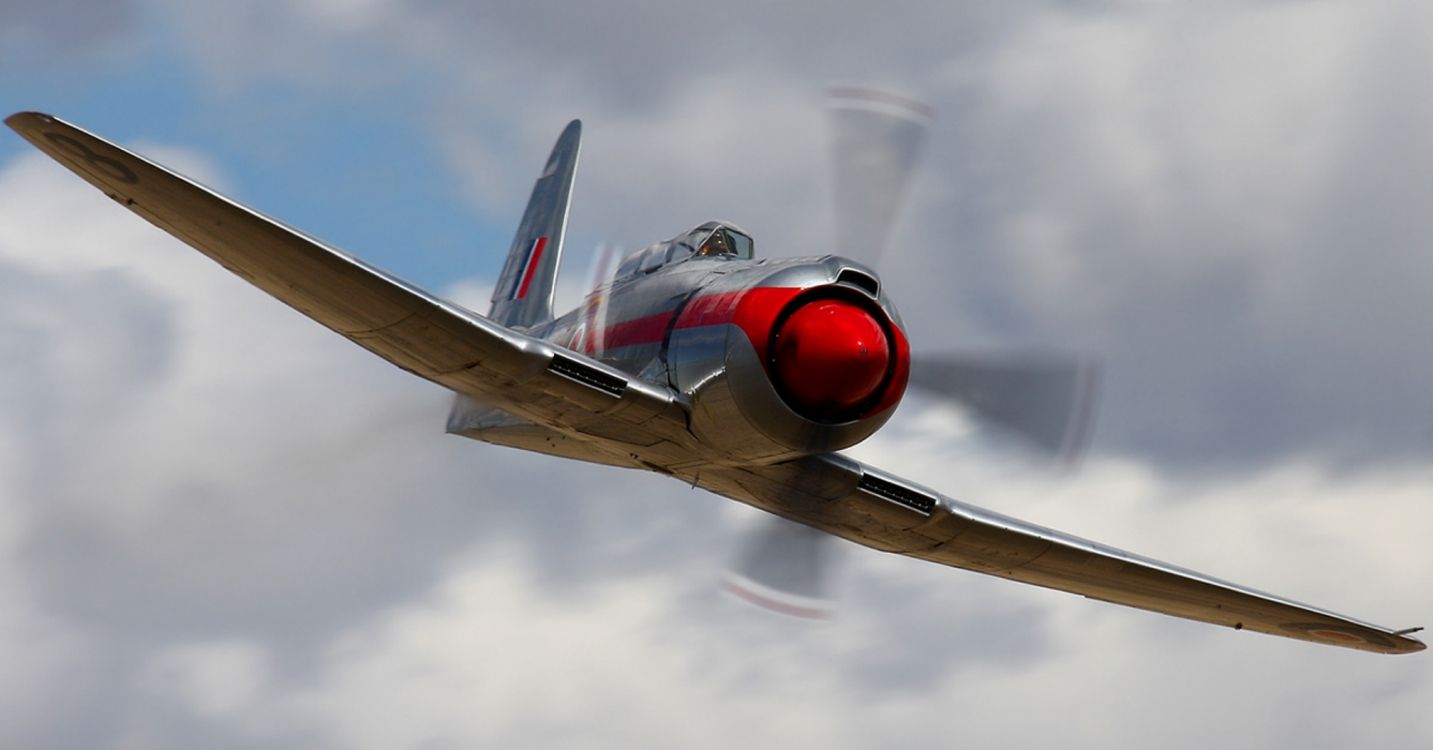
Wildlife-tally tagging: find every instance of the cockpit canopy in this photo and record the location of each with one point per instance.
(714, 239)
(717, 239)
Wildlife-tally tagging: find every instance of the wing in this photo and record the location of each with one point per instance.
(844, 497)
(414, 330)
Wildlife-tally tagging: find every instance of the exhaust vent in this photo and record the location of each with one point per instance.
(587, 375)
(901, 495)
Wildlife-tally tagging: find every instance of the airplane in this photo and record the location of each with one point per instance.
(699, 360)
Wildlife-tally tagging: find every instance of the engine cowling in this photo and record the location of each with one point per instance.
(798, 363)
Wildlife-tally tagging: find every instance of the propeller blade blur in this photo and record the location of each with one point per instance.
(1048, 401)
(876, 138)
(599, 274)
(784, 567)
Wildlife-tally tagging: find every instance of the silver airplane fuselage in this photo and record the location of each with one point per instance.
(778, 358)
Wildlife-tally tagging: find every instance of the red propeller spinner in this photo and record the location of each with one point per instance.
(830, 357)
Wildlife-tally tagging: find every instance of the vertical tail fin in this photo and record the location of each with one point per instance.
(523, 296)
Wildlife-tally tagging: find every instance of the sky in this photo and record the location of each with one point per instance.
(222, 526)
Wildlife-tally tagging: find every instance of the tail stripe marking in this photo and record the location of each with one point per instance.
(534, 255)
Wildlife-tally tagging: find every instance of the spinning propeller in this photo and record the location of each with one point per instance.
(1043, 400)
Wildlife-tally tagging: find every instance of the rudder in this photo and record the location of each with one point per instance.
(524, 292)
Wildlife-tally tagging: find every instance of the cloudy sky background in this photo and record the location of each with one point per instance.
(221, 526)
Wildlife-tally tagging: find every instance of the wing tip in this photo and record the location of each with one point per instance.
(20, 121)
(1404, 646)
(1339, 631)
(1410, 644)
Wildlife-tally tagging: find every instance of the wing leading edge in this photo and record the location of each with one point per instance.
(410, 328)
(844, 497)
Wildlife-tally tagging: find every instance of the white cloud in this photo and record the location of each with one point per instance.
(43, 655)
(216, 679)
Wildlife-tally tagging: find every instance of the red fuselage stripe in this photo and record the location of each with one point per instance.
(638, 331)
(711, 309)
(706, 310)
(538, 245)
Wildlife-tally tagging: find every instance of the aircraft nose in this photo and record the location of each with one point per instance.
(830, 357)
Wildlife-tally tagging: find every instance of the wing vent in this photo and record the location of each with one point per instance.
(587, 375)
(901, 495)
(865, 281)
